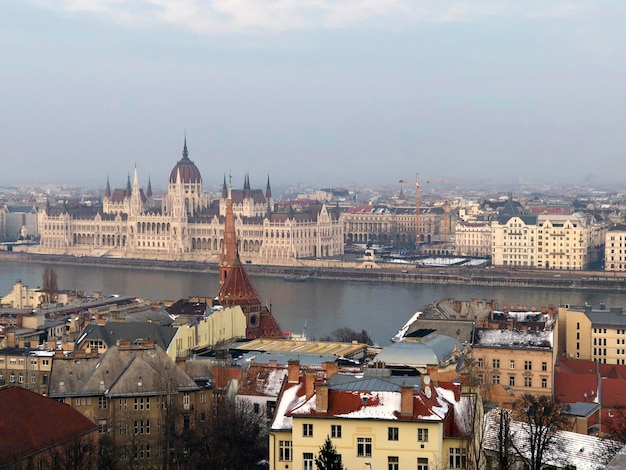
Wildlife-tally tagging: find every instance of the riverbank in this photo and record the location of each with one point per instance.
(389, 272)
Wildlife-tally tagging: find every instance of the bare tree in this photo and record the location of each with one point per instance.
(234, 436)
(49, 284)
(80, 453)
(348, 335)
(503, 444)
(541, 418)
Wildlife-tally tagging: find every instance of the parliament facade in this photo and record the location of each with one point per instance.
(186, 224)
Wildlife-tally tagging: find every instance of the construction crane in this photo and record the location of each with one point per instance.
(418, 202)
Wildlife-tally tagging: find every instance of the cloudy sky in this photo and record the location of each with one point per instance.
(325, 92)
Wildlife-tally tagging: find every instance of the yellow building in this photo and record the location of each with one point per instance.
(615, 249)
(597, 334)
(568, 242)
(521, 360)
(373, 422)
(221, 325)
(23, 297)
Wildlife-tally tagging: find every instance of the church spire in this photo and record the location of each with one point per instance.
(224, 189)
(185, 152)
(107, 192)
(128, 191)
(268, 189)
(229, 245)
(149, 189)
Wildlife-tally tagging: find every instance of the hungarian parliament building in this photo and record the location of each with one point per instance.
(187, 224)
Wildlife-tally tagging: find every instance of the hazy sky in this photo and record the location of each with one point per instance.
(319, 91)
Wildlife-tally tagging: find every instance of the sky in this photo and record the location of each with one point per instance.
(317, 92)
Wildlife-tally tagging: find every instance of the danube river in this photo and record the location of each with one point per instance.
(324, 305)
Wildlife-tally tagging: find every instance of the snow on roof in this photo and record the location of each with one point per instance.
(580, 451)
(282, 421)
(515, 338)
(381, 405)
(400, 334)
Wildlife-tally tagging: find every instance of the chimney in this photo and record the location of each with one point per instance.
(273, 363)
(293, 372)
(321, 398)
(309, 383)
(331, 369)
(406, 400)
(181, 362)
(11, 339)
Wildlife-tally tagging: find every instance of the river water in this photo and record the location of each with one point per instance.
(324, 305)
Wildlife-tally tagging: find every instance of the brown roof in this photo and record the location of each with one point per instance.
(237, 288)
(31, 423)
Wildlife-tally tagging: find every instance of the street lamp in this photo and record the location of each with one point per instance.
(369, 464)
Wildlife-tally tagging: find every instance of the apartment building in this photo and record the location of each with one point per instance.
(26, 368)
(597, 334)
(373, 422)
(520, 360)
(615, 248)
(136, 395)
(472, 239)
(547, 241)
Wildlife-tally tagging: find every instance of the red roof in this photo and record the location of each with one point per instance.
(31, 423)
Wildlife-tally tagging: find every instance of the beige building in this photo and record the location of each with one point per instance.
(522, 361)
(25, 367)
(188, 225)
(563, 242)
(23, 297)
(597, 334)
(396, 225)
(137, 396)
(615, 249)
(472, 239)
(220, 325)
(373, 422)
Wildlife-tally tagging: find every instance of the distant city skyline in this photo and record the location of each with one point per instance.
(318, 92)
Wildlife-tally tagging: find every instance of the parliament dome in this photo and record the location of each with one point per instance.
(189, 173)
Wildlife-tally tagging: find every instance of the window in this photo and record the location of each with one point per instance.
(512, 364)
(123, 430)
(123, 404)
(142, 403)
(335, 431)
(102, 403)
(142, 426)
(142, 451)
(481, 363)
(544, 366)
(392, 434)
(495, 379)
(528, 365)
(363, 446)
(496, 363)
(393, 463)
(511, 380)
(544, 382)
(422, 434)
(457, 458)
(528, 381)
(307, 430)
(102, 426)
(422, 463)
(20, 378)
(45, 362)
(284, 450)
(307, 461)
